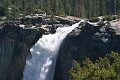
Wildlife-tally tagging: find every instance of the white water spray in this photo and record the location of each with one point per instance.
(44, 54)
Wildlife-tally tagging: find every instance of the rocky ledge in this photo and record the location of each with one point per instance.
(86, 41)
(15, 44)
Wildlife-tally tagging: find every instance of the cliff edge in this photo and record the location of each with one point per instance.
(85, 41)
(15, 44)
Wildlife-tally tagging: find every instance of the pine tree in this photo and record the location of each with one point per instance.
(118, 7)
(68, 8)
(61, 8)
(76, 8)
(47, 6)
(82, 10)
(115, 7)
(107, 68)
(94, 8)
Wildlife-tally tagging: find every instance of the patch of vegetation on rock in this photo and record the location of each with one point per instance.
(27, 21)
(112, 31)
(3, 10)
(38, 25)
(94, 19)
(109, 18)
(38, 11)
(52, 20)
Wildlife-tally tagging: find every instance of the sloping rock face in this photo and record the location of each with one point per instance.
(15, 44)
(86, 41)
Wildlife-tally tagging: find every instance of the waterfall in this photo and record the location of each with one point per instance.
(44, 54)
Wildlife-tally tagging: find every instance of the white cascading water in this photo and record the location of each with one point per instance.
(44, 54)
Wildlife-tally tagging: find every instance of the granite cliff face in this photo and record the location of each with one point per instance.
(86, 41)
(15, 44)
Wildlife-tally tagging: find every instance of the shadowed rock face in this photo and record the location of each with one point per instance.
(87, 41)
(15, 44)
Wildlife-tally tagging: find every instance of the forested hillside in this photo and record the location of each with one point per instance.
(79, 8)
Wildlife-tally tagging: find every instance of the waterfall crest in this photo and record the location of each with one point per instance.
(44, 54)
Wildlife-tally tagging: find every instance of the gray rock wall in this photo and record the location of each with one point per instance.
(87, 41)
(15, 44)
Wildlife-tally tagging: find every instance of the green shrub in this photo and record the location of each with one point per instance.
(38, 11)
(109, 18)
(94, 19)
(106, 68)
(114, 17)
(28, 21)
(38, 25)
(52, 20)
(3, 10)
(112, 31)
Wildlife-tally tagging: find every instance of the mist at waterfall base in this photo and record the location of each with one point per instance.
(44, 55)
